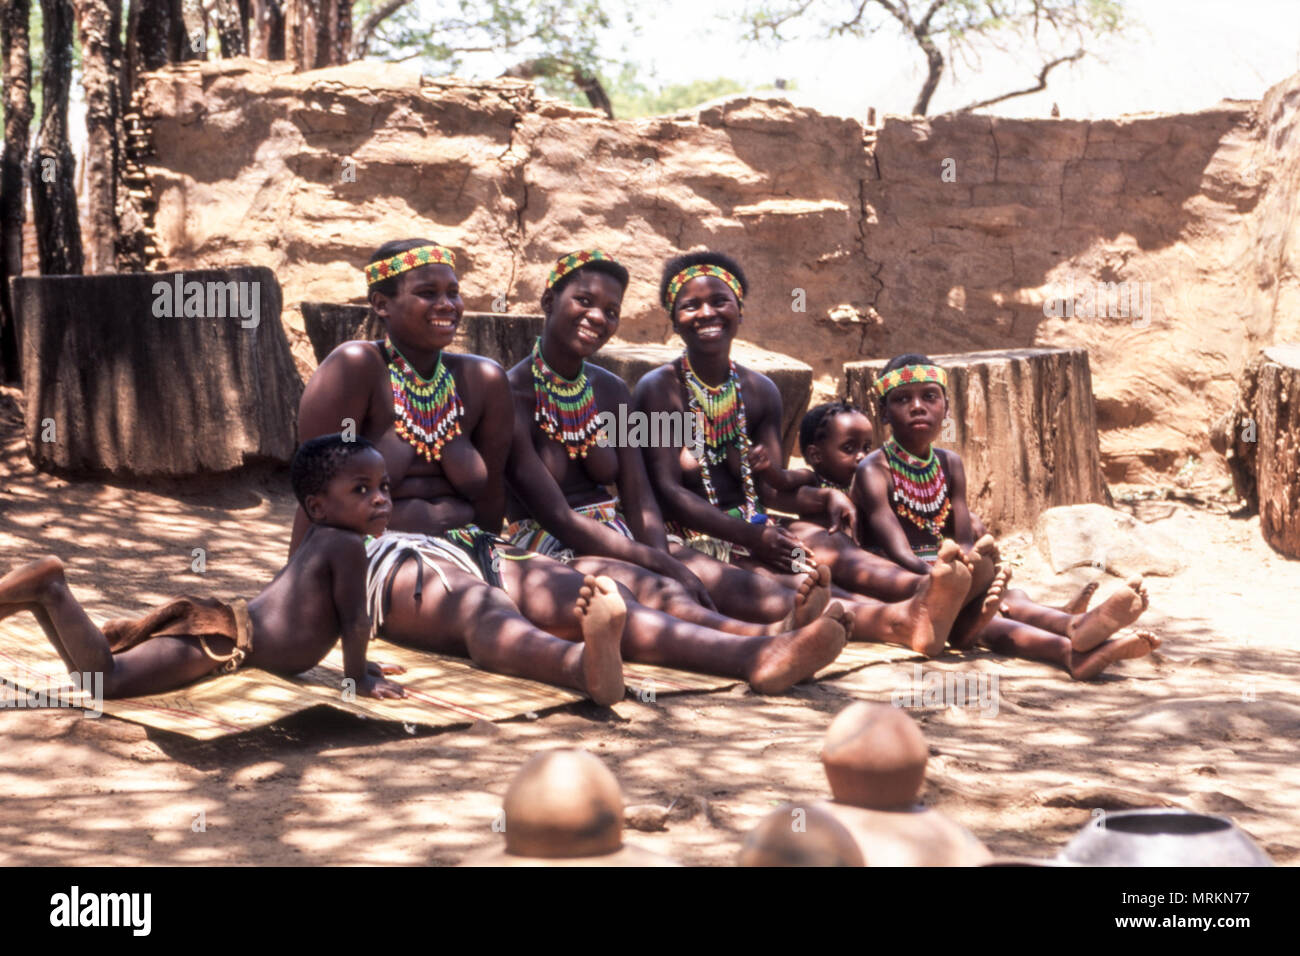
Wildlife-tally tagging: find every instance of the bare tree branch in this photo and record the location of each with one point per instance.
(365, 33)
(1040, 85)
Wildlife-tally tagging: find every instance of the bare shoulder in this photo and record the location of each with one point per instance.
(353, 357)
(330, 545)
(950, 460)
(607, 384)
(658, 388)
(475, 367)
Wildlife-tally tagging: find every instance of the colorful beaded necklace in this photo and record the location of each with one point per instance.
(827, 483)
(721, 410)
(566, 408)
(427, 411)
(920, 488)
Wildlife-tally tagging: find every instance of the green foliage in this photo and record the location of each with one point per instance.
(560, 34)
(633, 98)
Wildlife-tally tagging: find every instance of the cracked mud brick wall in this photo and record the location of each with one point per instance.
(308, 173)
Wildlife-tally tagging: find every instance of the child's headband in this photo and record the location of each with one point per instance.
(705, 269)
(406, 261)
(909, 374)
(574, 261)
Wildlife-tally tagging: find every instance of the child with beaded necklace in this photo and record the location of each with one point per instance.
(911, 495)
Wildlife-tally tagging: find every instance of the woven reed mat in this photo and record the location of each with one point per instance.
(441, 691)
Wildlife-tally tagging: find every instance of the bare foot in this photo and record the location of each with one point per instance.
(924, 621)
(798, 655)
(1082, 599)
(602, 615)
(1121, 609)
(811, 599)
(982, 560)
(1086, 666)
(26, 584)
(977, 614)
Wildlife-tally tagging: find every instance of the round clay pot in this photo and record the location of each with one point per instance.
(1163, 838)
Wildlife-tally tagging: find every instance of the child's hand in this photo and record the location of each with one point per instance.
(376, 669)
(379, 688)
(843, 514)
(759, 462)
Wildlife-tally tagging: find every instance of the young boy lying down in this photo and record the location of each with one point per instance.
(317, 597)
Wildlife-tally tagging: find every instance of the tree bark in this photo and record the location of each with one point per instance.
(95, 23)
(151, 39)
(124, 377)
(1024, 423)
(230, 29)
(54, 196)
(15, 42)
(1264, 444)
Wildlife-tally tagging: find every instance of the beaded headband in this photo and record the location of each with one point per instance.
(575, 261)
(909, 374)
(705, 269)
(406, 261)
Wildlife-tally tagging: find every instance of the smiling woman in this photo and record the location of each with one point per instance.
(445, 424)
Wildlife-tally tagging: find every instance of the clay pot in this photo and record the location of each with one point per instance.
(1163, 838)
(875, 757)
(796, 835)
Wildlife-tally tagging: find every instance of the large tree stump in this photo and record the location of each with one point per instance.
(504, 337)
(120, 379)
(1264, 444)
(1023, 422)
(792, 378)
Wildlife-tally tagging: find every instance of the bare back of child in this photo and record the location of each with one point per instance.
(288, 628)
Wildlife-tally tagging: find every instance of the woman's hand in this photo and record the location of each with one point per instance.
(782, 550)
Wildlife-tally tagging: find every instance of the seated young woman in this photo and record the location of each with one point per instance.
(715, 501)
(911, 496)
(444, 424)
(576, 493)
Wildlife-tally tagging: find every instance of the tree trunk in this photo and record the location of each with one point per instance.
(1265, 444)
(15, 43)
(1024, 423)
(230, 28)
(266, 35)
(125, 377)
(54, 196)
(151, 46)
(95, 23)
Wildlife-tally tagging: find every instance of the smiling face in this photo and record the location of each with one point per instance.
(585, 315)
(357, 497)
(835, 456)
(706, 314)
(425, 312)
(916, 412)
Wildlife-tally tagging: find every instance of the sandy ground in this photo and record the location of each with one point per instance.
(1207, 723)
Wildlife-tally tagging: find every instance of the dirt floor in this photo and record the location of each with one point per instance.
(1209, 722)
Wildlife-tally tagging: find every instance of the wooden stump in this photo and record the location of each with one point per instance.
(1023, 422)
(119, 378)
(505, 337)
(1264, 445)
(792, 377)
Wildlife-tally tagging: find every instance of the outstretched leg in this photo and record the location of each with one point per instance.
(1087, 630)
(854, 569)
(975, 616)
(475, 620)
(1015, 639)
(768, 663)
(153, 667)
